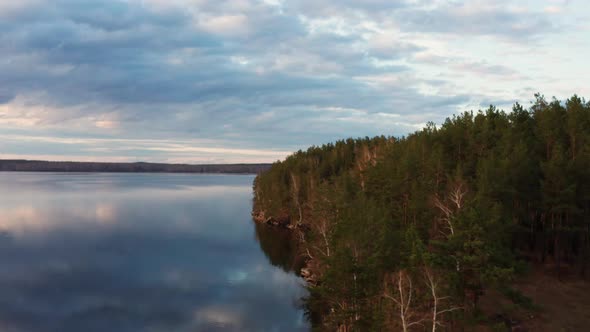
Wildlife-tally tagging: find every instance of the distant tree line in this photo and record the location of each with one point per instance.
(69, 166)
(408, 233)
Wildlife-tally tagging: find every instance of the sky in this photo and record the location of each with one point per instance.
(216, 81)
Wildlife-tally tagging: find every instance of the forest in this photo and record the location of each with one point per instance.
(139, 167)
(410, 233)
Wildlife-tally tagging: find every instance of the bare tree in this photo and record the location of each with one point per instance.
(450, 205)
(301, 235)
(401, 295)
(295, 195)
(322, 228)
(438, 309)
(325, 216)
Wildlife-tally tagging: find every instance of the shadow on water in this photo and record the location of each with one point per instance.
(280, 247)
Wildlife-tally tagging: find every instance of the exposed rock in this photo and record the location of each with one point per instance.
(308, 276)
(260, 217)
(285, 222)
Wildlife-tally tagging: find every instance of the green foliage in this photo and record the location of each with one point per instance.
(464, 202)
(517, 297)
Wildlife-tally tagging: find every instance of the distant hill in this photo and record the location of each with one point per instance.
(139, 167)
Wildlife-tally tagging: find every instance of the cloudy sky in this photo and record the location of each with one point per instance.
(252, 80)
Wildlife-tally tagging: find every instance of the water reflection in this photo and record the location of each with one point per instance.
(137, 252)
(280, 247)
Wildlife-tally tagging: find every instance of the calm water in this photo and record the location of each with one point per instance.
(139, 252)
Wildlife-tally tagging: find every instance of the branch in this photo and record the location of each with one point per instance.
(391, 298)
(416, 322)
(409, 295)
(450, 309)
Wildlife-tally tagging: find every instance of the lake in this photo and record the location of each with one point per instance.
(139, 252)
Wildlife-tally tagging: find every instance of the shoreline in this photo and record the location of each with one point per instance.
(283, 223)
(134, 167)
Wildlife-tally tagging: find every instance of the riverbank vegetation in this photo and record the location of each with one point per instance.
(409, 233)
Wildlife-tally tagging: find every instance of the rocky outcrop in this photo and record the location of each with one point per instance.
(306, 272)
(261, 217)
(308, 276)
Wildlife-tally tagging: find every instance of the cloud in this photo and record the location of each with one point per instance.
(15, 8)
(15, 146)
(257, 72)
(226, 25)
(497, 18)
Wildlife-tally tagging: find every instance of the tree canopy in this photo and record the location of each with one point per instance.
(409, 232)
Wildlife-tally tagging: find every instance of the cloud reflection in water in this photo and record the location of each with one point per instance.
(136, 252)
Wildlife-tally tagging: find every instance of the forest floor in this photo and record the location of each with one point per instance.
(558, 304)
